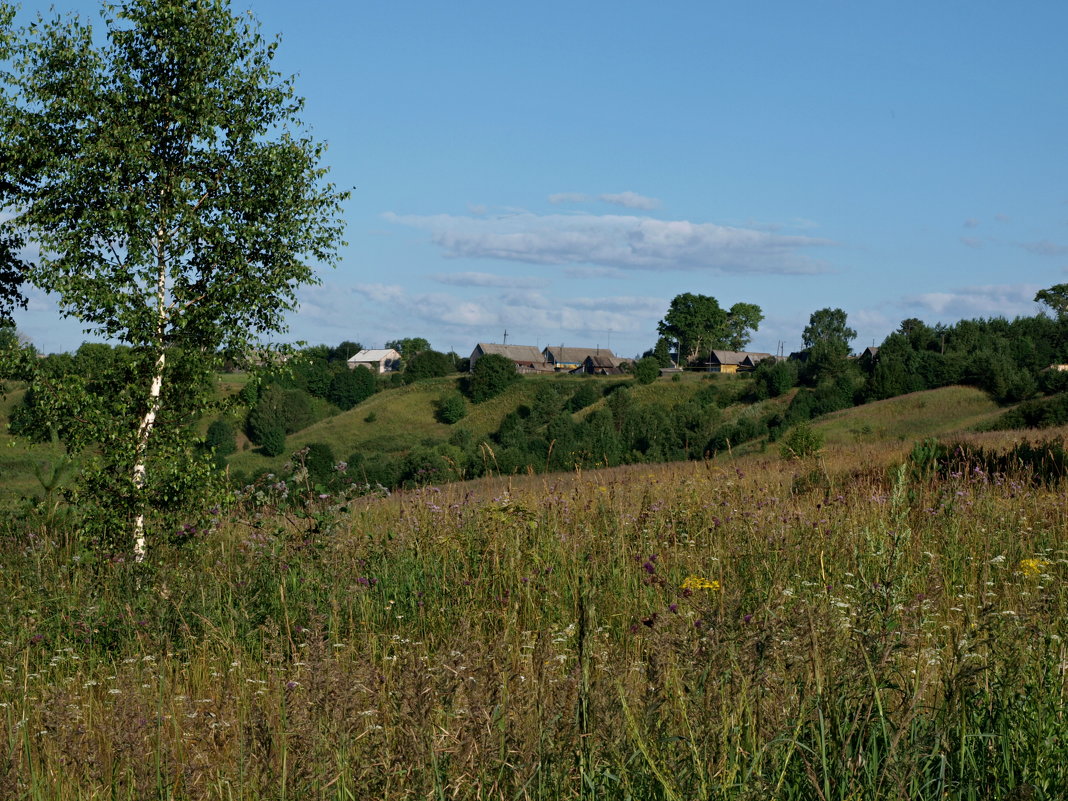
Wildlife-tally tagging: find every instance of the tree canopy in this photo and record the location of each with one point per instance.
(699, 324)
(1056, 297)
(176, 197)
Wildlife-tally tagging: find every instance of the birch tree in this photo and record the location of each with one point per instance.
(176, 196)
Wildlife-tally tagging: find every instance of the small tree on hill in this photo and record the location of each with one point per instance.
(491, 375)
(647, 370)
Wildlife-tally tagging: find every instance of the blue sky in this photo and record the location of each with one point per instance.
(562, 170)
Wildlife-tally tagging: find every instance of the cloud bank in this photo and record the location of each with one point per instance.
(621, 241)
(979, 301)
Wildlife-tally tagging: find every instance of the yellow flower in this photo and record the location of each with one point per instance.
(698, 583)
(1032, 567)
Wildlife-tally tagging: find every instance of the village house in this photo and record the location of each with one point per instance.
(383, 360)
(527, 358)
(569, 359)
(730, 361)
(601, 365)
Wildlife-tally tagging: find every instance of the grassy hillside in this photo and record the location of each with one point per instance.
(907, 417)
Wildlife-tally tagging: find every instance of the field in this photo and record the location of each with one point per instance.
(849, 627)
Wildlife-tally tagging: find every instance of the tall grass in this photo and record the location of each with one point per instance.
(858, 632)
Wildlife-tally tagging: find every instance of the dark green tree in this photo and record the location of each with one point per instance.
(409, 346)
(695, 322)
(350, 387)
(742, 320)
(1056, 298)
(177, 199)
(428, 364)
(647, 370)
(491, 375)
(827, 338)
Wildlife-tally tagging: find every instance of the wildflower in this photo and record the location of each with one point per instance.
(1033, 567)
(698, 583)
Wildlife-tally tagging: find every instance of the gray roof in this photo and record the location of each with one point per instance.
(517, 353)
(575, 355)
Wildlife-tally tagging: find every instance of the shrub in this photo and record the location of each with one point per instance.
(584, 396)
(273, 441)
(647, 370)
(428, 364)
(319, 462)
(350, 387)
(288, 410)
(221, 438)
(451, 409)
(800, 442)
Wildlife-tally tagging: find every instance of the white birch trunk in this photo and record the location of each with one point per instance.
(144, 430)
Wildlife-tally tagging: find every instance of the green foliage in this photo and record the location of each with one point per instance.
(647, 370)
(343, 352)
(699, 324)
(272, 440)
(279, 409)
(428, 364)
(662, 353)
(491, 375)
(773, 378)
(409, 346)
(584, 396)
(1056, 298)
(320, 463)
(451, 409)
(800, 442)
(161, 165)
(221, 438)
(351, 387)
(1038, 413)
(694, 321)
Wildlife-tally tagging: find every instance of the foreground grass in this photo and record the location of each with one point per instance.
(849, 630)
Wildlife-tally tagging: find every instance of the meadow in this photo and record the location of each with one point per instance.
(857, 625)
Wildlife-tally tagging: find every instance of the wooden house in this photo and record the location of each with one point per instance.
(601, 365)
(382, 360)
(731, 361)
(564, 359)
(527, 358)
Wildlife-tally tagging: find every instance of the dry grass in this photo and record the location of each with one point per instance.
(873, 636)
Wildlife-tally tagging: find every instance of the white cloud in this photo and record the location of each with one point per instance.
(630, 200)
(488, 280)
(593, 272)
(979, 301)
(971, 241)
(1045, 248)
(569, 197)
(971, 222)
(620, 241)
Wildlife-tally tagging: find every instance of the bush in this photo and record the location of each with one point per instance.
(491, 376)
(647, 370)
(273, 441)
(319, 462)
(451, 409)
(350, 387)
(221, 440)
(428, 364)
(287, 410)
(584, 396)
(800, 442)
